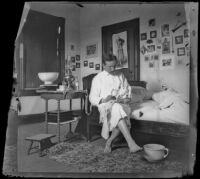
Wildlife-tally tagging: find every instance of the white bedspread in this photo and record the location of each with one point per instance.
(166, 106)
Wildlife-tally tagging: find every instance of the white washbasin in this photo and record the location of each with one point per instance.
(48, 77)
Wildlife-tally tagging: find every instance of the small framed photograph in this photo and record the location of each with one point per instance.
(156, 57)
(73, 67)
(143, 36)
(91, 50)
(153, 34)
(73, 59)
(146, 58)
(151, 48)
(186, 33)
(85, 63)
(166, 46)
(152, 22)
(181, 51)
(78, 65)
(167, 62)
(77, 57)
(91, 64)
(179, 39)
(72, 47)
(165, 30)
(97, 67)
(151, 64)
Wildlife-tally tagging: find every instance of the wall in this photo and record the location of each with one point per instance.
(83, 26)
(34, 104)
(93, 17)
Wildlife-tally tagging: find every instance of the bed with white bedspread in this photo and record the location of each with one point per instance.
(164, 112)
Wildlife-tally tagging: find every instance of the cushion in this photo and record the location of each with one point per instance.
(139, 93)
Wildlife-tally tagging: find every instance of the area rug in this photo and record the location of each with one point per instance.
(89, 158)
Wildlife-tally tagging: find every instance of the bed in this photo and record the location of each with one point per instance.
(164, 112)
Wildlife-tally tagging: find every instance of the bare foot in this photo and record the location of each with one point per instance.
(134, 148)
(107, 147)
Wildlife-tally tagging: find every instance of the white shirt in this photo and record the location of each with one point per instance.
(104, 84)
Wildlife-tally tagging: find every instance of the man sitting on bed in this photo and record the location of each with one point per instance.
(110, 92)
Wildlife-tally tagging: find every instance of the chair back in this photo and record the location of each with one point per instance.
(87, 82)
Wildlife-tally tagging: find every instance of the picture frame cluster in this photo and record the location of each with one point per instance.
(165, 42)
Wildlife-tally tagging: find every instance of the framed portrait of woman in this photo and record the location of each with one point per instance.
(119, 42)
(123, 39)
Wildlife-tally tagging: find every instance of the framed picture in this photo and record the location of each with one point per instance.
(146, 58)
(73, 67)
(152, 22)
(167, 62)
(156, 57)
(119, 44)
(85, 63)
(91, 50)
(153, 34)
(91, 64)
(151, 48)
(97, 67)
(179, 39)
(186, 33)
(181, 51)
(73, 59)
(78, 65)
(72, 47)
(165, 30)
(143, 50)
(166, 46)
(143, 36)
(77, 57)
(151, 64)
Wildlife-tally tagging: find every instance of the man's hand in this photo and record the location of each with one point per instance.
(108, 98)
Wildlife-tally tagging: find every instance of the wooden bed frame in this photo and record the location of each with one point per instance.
(154, 127)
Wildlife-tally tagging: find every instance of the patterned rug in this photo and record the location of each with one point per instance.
(86, 157)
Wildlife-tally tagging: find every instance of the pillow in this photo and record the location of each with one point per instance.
(137, 90)
(135, 98)
(142, 92)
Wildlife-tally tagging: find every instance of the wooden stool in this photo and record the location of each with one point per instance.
(44, 141)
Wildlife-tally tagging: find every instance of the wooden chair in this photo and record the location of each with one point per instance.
(93, 126)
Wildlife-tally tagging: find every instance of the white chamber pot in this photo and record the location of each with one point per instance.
(155, 152)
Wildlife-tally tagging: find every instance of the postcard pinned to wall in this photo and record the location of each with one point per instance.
(167, 62)
(91, 50)
(119, 43)
(166, 46)
(165, 30)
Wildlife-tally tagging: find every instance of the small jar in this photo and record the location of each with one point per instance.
(76, 83)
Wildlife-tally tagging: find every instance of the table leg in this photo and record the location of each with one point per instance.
(46, 115)
(58, 120)
(70, 104)
(30, 147)
(81, 104)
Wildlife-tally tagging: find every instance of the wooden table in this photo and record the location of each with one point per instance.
(58, 96)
